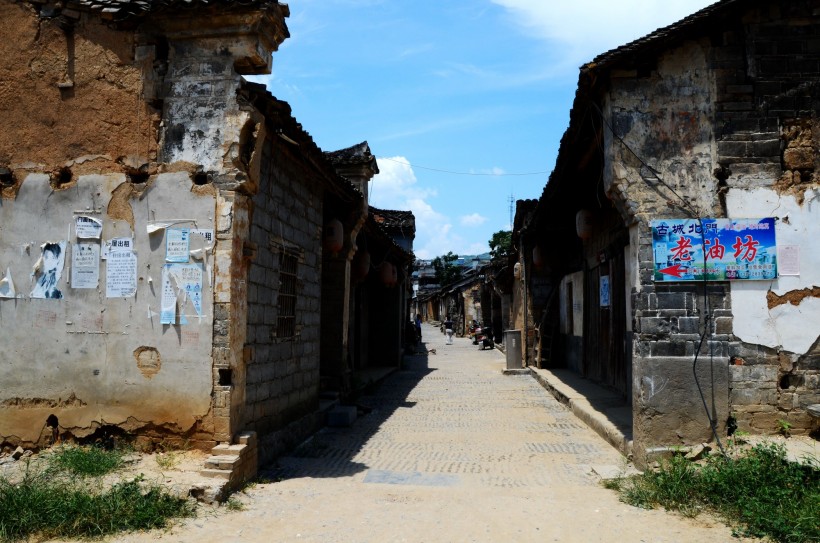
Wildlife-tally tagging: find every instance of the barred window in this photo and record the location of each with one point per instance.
(286, 303)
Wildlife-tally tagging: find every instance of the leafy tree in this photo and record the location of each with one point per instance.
(501, 245)
(446, 270)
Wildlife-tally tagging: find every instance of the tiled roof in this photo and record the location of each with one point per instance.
(124, 9)
(280, 115)
(355, 155)
(392, 218)
(663, 37)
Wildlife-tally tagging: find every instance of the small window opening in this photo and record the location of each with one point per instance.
(200, 178)
(225, 377)
(286, 301)
(61, 177)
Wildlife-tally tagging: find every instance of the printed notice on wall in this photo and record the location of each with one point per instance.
(714, 249)
(788, 259)
(181, 289)
(117, 244)
(88, 227)
(7, 286)
(206, 233)
(604, 291)
(85, 265)
(49, 270)
(177, 244)
(121, 274)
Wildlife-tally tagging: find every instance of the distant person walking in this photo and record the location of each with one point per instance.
(448, 330)
(418, 326)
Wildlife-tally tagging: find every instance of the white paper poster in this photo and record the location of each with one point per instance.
(49, 270)
(7, 286)
(177, 244)
(206, 233)
(117, 244)
(85, 265)
(88, 227)
(121, 274)
(788, 260)
(181, 289)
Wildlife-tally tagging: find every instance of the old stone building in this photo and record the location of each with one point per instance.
(679, 227)
(176, 251)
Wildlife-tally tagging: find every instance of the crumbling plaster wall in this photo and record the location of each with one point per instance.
(88, 359)
(70, 98)
(87, 140)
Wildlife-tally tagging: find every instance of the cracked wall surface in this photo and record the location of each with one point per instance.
(125, 149)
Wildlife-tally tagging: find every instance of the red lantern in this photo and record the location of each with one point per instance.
(584, 223)
(537, 257)
(333, 236)
(387, 274)
(360, 266)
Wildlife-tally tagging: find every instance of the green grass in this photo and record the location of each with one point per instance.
(52, 502)
(758, 492)
(93, 461)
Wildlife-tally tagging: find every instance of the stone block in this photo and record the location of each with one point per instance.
(225, 475)
(689, 325)
(654, 325)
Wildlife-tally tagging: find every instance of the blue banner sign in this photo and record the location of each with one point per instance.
(727, 249)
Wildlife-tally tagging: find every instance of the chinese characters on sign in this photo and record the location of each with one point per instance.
(725, 249)
(177, 244)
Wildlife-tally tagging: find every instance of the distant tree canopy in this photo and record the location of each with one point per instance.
(446, 270)
(501, 245)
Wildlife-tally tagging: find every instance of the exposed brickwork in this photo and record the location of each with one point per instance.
(282, 380)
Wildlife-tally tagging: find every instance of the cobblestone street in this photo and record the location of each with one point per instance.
(453, 450)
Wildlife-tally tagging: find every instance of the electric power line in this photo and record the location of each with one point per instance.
(462, 173)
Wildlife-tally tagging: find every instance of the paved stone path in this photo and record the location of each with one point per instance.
(452, 451)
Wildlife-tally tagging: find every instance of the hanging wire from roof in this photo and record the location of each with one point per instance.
(484, 174)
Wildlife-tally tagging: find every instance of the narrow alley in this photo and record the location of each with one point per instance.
(457, 451)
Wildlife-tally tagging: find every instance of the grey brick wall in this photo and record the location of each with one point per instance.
(283, 373)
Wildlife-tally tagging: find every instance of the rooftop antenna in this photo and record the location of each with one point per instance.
(512, 206)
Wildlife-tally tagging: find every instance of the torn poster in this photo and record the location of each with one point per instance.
(177, 244)
(48, 270)
(206, 233)
(155, 226)
(7, 286)
(87, 227)
(121, 274)
(181, 287)
(85, 265)
(117, 244)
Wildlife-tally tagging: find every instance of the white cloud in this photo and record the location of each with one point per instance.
(474, 219)
(396, 187)
(586, 28)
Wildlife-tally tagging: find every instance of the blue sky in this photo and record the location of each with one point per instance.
(459, 99)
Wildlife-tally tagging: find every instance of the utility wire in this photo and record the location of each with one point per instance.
(462, 173)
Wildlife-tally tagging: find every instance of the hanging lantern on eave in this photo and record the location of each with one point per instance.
(333, 236)
(584, 223)
(386, 274)
(360, 266)
(517, 270)
(538, 257)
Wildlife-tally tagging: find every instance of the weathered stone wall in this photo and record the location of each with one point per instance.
(282, 383)
(724, 125)
(768, 142)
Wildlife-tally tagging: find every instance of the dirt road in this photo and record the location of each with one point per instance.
(452, 451)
